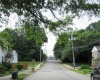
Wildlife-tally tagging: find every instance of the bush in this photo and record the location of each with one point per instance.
(85, 67)
(2, 68)
(27, 59)
(7, 65)
(19, 66)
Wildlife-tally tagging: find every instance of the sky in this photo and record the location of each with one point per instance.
(79, 23)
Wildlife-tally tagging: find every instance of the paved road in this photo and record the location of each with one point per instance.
(52, 70)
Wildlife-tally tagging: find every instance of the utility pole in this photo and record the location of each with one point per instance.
(72, 39)
(40, 54)
(73, 51)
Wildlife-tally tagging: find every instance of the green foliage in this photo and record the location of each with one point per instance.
(30, 63)
(23, 40)
(32, 10)
(27, 59)
(84, 71)
(19, 66)
(6, 38)
(59, 25)
(2, 68)
(86, 39)
(44, 57)
(7, 65)
(85, 67)
(21, 76)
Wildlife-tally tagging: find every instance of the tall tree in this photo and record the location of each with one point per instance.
(86, 39)
(32, 9)
(6, 39)
(28, 41)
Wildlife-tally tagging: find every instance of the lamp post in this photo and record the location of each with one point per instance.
(73, 38)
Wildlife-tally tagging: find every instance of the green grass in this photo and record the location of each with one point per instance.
(83, 71)
(30, 63)
(5, 73)
(21, 76)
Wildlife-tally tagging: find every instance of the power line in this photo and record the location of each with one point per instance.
(87, 44)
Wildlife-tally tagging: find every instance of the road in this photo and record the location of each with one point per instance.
(52, 70)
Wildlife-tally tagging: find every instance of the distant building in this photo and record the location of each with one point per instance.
(51, 58)
(96, 56)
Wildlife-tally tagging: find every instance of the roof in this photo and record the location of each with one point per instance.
(98, 48)
(8, 55)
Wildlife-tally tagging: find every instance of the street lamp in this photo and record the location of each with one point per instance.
(72, 39)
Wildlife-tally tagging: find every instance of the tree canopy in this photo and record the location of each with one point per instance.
(25, 40)
(86, 39)
(32, 9)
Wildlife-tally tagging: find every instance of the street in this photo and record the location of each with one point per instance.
(52, 70)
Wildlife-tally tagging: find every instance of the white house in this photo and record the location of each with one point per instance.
(2, 55)
(14, 57)
(96, 56)
(11, 57)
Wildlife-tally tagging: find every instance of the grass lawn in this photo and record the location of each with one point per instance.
(30, 63)
(83, 71)
(21, 76)
(5, 73)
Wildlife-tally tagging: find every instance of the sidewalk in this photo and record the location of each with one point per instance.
(8, 77)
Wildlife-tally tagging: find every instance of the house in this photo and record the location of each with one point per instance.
(2, 55)
(8, 57)
(96, 56)
(14, 58)
(11, 57)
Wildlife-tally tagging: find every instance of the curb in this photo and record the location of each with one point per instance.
(69, 67)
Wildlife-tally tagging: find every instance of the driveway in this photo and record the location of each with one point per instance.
(52, 70)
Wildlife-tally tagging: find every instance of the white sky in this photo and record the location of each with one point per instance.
(81, 23)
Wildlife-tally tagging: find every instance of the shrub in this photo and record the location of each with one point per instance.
(85, 67)
(19, 66)
(2, 68)
(27, 59)
(7, 65)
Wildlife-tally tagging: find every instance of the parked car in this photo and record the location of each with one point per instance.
(95, 75)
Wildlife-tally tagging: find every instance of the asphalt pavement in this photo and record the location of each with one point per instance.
(52, 70)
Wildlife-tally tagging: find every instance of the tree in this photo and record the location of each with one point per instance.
(61, 45)
(28, 42)
(86, 39)
(32, 9)
(25, 40)
(6, 39)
